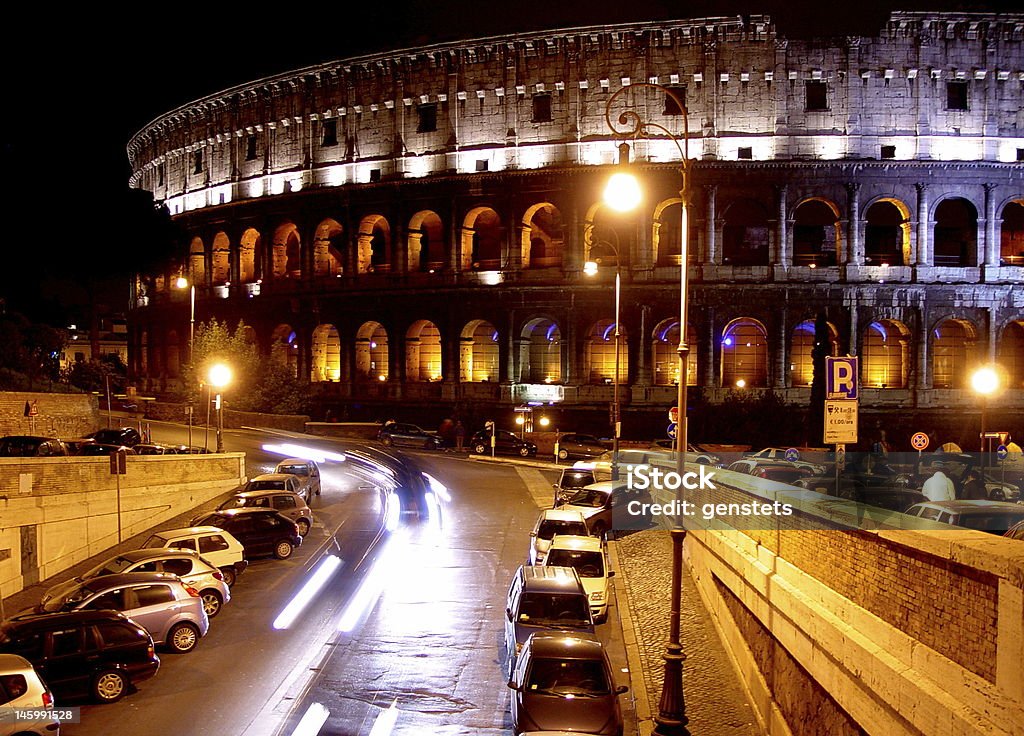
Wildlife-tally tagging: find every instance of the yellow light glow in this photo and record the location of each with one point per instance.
(590, 268)
(520, 419)
(382, 377)
(544, 421)
(220, 375)
(984, 381)
(622, 192)
(741, 383)
(181, 283)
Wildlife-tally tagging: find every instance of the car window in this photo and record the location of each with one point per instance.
(153, 595)
(11, 687)
(184, 544)
(266, 522)
(113, 600)
(117, 634)
(927, 512)
(590, 498)
(178, 566)
(29, 646)
(551, 527)
(559, 609)
(563, 677)
(63, 643)
(150, 566)
(284, 502)
(212, 543)
(588, 564)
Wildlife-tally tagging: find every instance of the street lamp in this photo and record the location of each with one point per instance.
(630, 123)
(985, 382)
(182, 283)
(220, 376)
(590, 269)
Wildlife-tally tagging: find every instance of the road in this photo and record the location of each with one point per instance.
(405, 636)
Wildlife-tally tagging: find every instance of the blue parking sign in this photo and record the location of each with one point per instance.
(841, 377)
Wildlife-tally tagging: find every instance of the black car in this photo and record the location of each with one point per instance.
(261, 531)
(96, 449)
(505, 443)
(127, 436)
(96, 653)
(573, 446)
(409, 435)
(28, 446)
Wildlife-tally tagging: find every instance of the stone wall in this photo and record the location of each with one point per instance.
(64, 416)
(56, 512)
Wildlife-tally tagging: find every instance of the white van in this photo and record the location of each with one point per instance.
(213, 544)
(586, 556)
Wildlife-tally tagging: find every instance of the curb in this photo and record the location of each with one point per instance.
(542, 464)
(637, 681)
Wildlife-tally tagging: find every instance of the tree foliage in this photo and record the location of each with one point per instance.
(31, 349)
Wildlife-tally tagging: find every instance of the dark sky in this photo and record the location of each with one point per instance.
(76, 88)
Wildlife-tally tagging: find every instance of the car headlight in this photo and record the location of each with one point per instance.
(597, 596)
(519, 648)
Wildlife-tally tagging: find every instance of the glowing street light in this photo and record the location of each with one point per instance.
(182, 283)
(985, 382)
(219, 377)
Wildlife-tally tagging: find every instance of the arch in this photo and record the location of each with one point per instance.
(605, 224)
(286, 252)
(666, 230)
(482, 237)
(1010, 354)
(954, 343)
(423, 352)
(478, 352)
(374, 244)
(426, 246)
(284, 348)
(173, 355)
(956, 233)
(221, 259)
(885, 357)
(801, 347)
(745, 354)
(745, 234)
(326, 364)
(543, 236)
(1011, 234)
(816, 233)
(327, 249)
(665, 353)
(599, 353)
(248, 247)
(541, 352)
(197, 261)
(372, 352)
(887, 233)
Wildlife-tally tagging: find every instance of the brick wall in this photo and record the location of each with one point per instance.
(59, 415)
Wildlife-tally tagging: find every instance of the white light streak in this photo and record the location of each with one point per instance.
(304, 452)
(439, 488)
(385, 722)
(312, 720)
(327, 567)
(373, 584)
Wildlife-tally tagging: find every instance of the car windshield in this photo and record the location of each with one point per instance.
(551, 527)
(589, 497)
(155, 541)
(211, 520)
(293, 469)
(576, 480)
(990, 522)
(110, 567)
(568, 677)
(67, 602)
(264, 485)
(554, 611)
(588, 564)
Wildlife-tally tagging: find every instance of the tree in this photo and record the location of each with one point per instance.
(816, 412)
(215, 342)
(279, 391)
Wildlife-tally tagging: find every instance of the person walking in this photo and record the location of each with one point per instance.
(460, 435)
(939, 488)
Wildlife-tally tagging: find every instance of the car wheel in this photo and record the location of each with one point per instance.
(212, 602)
(183, 638)
(229, 575)
(303, 526)
(388, 441)
(283, 549)
(479, 448)
(563, 454)
(428, 445)
(524, 451)
(109, 686)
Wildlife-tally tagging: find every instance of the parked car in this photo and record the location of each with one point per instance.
(505, 443)
(1016, 531)
(215, 545)
(261, 531)
(570, 481)
(995, 517)
(170, 610)
(29, 446)
(572, 446)
(543, 599)
(781, 471)
(277, 482)
(95, 449)
(552, 522)
(400, 434)
(150, 449)
(22, 688)
(307, 471)
(598, 502)
(97, 653)
(564, 684)
(193, 570)
(603, 464)
(127, 436)
(779, 453)
(699, 454)
(586, 556)
(285, 503)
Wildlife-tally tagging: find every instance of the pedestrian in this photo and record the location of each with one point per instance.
(460, 435)
(974, 487)
(939, 488)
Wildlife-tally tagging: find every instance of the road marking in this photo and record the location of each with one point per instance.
(539, 487)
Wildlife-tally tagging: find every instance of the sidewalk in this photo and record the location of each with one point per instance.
(716, 702)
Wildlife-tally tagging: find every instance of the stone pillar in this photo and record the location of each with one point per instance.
(400, 244)
(643, 341)
(709, 351)
(779, 362)
(854, 253)
(782, 258)
(854, 329)
(572, 359)
(454, 239)
(990, 328)
(513, 231)
(519, 360)
(923, 377)
(922, 254)
(573, 233)
(712, 251)
(304, 360)
(989, 253)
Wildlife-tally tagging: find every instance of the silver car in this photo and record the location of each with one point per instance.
(286, 503)
(193, 570)
(171, 611)
(308, 473)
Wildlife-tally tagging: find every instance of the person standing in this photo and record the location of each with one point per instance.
(939, 488)
(460, 435)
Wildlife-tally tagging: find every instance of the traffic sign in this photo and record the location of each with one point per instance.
(792, 454)
(1002, 452)
(840, 422)
(919, 441)
(673, 415)
(841, 378)
(671, 432)
(841, 456)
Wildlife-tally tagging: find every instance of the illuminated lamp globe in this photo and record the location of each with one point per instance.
(220, 375)
(590, 268)
(181, 282)
(984, 381)
(520, 419)
(741, 383)
(622, 193)
(544, 421)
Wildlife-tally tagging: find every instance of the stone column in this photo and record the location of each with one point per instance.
(454, 239)
(854, 328)
(990, 250)
(779, 380)
(643, 341)
(782, 256)
(854, 252)
(922, 254)
(923, 379)
(708, 350)
(513, 239)
(712, 251)
(990, 327)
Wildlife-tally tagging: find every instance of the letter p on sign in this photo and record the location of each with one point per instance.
(841, 378)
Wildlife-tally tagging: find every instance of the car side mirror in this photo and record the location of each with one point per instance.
(621, 689)
(512, 684)
(533, 534)
(555, 486)
(611, 573)
(508, 613)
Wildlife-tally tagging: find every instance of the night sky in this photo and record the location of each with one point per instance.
(77, 88)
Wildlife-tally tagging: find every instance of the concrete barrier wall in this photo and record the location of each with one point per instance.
(56, 512)
(883, 630)
(64, 416)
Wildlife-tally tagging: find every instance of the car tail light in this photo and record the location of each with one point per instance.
(191, 591)
(47, 698)
(151, 650)
(218, 575)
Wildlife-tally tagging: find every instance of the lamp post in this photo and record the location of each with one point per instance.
(183, 283)
(590, 269)
(220, 376)
(623, 193)
(985, 382)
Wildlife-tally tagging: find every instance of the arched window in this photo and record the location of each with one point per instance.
(952, 352)
(745, 235)
(426, 242)
(665, 234)
(327, 248)
(1011, 354)
(541, 354)
(286, 252)
(543, 238)
(885, 362)
(372, 352)
(221, 259)
(478, 352)
(665, 354)
(284, 348)
(197, 262)
(815, 234)
(599, 353)
(744, 354)
(248, 247)
(374, 251)
(1011, 237)
(482, 236)
(326, 354)
(886, 233)
(423, 352)
(956, 233)
(801, 361)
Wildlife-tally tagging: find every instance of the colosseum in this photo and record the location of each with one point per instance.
(408, 230)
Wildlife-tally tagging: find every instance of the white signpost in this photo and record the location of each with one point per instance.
(840, 422)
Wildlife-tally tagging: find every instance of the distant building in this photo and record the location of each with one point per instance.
(113, 340)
